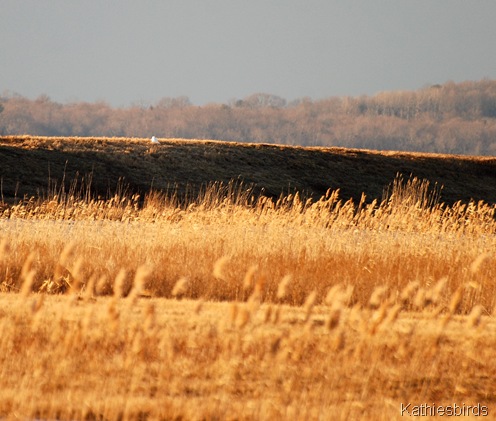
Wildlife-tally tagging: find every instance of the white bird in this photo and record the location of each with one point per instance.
(155, 140)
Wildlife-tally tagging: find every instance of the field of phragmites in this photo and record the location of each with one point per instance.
(242, 307)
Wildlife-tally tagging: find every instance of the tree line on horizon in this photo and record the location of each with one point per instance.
(457, 118)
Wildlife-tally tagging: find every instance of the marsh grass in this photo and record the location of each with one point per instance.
(228, 240)
(241, 306)
(165, 359)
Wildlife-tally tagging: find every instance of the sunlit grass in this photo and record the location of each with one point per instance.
(240, 306)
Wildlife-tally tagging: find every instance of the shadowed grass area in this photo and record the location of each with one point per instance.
(37, 165)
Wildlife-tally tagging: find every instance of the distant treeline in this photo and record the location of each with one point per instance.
(450, 118)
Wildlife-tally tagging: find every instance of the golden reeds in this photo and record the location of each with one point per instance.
(164, 359)
(282, 308)
(229, 242)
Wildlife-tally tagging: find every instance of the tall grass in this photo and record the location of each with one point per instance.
(329, 309)
(115, 358)
(410, 236)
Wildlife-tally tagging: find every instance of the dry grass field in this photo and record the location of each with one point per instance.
(235, 305)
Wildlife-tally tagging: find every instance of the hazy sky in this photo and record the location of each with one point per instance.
(217, 50)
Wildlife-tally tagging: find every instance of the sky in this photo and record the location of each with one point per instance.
(215, 51)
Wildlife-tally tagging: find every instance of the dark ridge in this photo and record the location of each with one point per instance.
(38, 166)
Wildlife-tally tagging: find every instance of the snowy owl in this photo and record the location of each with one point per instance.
(155, 140)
